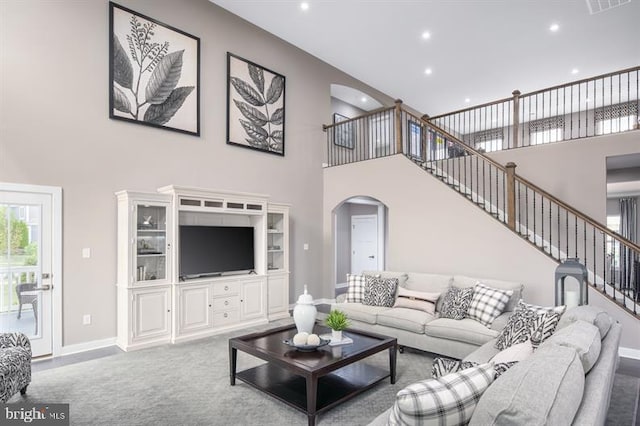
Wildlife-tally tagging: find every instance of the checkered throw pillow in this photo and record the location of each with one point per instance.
(449, 400)
(355, 291)
(487, 303)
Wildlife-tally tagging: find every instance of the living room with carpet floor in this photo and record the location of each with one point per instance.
(188, 384)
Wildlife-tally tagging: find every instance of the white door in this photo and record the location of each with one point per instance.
(364, 243)
(26, 266)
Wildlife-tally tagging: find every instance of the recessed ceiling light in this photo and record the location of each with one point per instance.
(304, 5)
(554, 27)
(363, 99)
(428, 71)
(467, 100)
(426, 35)
(574, 71)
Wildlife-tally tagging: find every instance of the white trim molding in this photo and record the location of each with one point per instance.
(86, 346)
(629, 353)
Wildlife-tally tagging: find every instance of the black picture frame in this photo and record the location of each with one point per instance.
(154, 73)
(344, 135)
(255, 106)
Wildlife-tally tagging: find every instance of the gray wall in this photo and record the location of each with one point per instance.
(345, 109)
(55, 130)
(433, 229)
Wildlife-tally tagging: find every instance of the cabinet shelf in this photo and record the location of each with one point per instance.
(151, 255)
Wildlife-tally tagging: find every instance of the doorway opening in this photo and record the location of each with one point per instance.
(359, 237)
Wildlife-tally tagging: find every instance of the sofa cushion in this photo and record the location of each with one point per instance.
(591, 314)
(462, 281)
(487, 303)
(525, 321)
(401, 276)
(420, 300)
(584, 338)
(405, 319)
(501, 321)
(355, 289)
(449, 400)
(544, 389)
(456, 303)
(379, 291)
(433, 283)
(484, 353)
(517, 353)
(360, 312)
(465, 330)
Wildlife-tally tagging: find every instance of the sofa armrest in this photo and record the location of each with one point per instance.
(501, 321)
(13, 340)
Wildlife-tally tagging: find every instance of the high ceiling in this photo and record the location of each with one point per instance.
(477, 50)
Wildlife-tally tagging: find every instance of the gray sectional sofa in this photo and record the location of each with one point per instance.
(566, 381)
(420, 330)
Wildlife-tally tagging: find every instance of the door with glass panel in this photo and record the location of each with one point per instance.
(26, 267)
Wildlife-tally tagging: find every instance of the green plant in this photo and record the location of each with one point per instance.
(337, 320)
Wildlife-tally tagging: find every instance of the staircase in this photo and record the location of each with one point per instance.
(547, 223)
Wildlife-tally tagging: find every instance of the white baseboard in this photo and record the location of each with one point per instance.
(86, 346)
(629, 353)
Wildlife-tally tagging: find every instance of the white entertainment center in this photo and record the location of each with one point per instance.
(156, 306)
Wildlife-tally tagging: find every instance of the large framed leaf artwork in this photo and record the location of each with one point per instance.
(154, 72)
(255, 106)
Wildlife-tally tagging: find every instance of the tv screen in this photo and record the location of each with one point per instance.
(211, 250)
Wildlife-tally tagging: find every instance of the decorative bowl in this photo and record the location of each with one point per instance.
(306, 348)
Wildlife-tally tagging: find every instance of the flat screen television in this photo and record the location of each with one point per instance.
(214, 250)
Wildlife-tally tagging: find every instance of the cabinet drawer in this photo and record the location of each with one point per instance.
(225, 303)
(223, 289)
(227, 317)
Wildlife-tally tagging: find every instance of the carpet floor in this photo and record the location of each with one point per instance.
(188, 384)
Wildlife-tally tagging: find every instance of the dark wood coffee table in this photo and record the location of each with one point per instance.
(312, 382)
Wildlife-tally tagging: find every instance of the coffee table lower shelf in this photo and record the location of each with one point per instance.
(333, 388)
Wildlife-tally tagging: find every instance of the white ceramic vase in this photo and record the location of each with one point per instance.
(336, 335)
(304, 313)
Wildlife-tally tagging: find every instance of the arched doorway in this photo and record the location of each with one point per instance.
(359, 237)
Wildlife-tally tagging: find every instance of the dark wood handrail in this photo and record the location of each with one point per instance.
(486, 104)
(559, 86)
(449, 136)
(576, 213)
(584, 80)
(536, 188)
(368, 114)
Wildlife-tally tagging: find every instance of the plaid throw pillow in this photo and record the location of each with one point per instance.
(487, 303)
(355, 291)
(449, 400)
(456, 303)
(379, 291)
(526, 320)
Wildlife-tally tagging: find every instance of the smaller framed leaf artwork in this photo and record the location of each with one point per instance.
(154, 72)
(344, 134)
(255, 106)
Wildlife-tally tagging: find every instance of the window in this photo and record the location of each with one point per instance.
(488, 140)
(490, 145)
(617, 118)
(613, 249)
(546, 130)
(546, 136)
(615, 125)
(415, 139)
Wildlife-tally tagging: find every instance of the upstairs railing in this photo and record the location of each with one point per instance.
(605, 104)
(553, 226)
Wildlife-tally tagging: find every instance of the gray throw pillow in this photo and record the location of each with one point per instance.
(456, 303)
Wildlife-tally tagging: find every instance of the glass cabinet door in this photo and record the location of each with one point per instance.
(151, 243)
